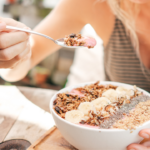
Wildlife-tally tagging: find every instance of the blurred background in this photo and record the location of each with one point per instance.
(64, 67)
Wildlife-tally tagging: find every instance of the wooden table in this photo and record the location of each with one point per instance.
(24, 113)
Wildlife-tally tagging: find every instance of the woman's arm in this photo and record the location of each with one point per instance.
(68, 17)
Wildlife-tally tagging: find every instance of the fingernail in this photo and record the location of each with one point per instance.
(2, 26)
(144, 135)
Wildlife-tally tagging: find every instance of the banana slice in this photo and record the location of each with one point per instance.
(85, 118)
(124, 92)
(74, 116)
(100, 103)
(111, 94)
(85, 107)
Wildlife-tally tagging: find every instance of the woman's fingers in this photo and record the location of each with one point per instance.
(14, 45)
(13, 62)
(10, 22)
(145, 133)
(137, 147)
(12, 38)
(8, 64)
(11, 52)
(147, 144)
(25, 54)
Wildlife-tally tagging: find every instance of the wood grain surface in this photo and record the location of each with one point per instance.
(7, 119)
(52, 140)
(39, 97)
(21, 118)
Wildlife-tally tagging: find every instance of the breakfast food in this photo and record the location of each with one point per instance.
(78, 40)
(103, 106)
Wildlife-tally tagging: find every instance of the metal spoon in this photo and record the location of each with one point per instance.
(58, 41)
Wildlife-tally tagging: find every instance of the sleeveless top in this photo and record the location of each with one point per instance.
(121, 61)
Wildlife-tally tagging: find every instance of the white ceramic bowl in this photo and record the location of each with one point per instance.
(84, 138)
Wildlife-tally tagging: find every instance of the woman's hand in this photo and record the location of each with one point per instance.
(14, 45)
(145, 133)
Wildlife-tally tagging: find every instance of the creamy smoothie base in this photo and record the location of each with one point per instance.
(102, 106)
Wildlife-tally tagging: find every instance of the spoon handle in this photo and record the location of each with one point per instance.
(30, 31)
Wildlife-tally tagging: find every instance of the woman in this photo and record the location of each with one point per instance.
(123, 26)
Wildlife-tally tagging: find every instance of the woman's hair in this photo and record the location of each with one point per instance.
(127, 12)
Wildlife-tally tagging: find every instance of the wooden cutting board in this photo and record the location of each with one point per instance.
(52, 140)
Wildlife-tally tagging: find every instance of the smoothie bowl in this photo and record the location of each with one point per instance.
(101, 116)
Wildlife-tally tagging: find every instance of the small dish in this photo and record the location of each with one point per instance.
(15, 144)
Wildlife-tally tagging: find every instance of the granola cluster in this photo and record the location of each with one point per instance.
(73, 40)
(66, 102)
